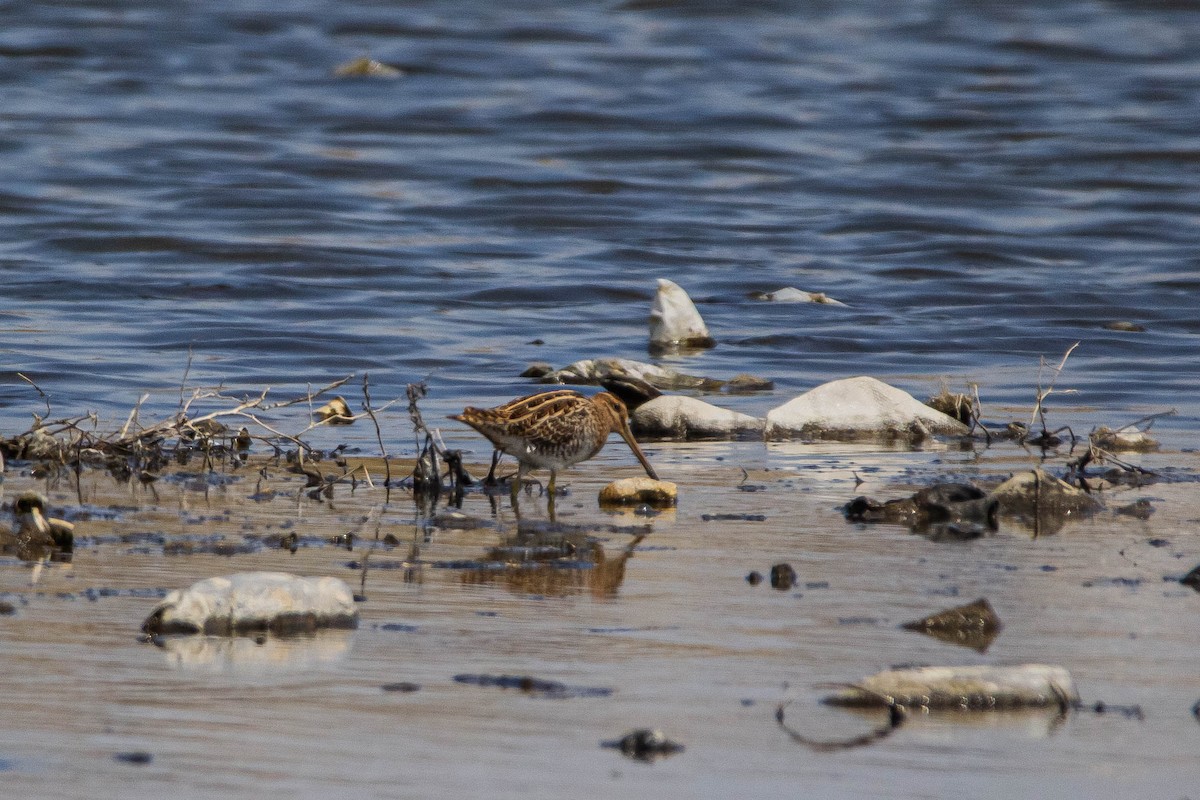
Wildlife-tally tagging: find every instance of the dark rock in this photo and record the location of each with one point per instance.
(973, 625)
(402, 686)
(783, 576)
(1192, 579)
(533, 686)
(138, 757)
(645, 744)
(941, 511)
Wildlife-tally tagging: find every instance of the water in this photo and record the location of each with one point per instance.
(191, 190)
(983, 186)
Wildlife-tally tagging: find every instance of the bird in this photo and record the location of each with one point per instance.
(553, 430)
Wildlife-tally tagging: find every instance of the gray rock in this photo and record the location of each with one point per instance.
(597, 370)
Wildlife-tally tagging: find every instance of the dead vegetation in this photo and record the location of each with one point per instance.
(209, 424)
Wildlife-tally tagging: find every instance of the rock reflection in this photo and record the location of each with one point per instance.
(221, 654)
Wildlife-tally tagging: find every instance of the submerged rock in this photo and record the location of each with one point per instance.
(1039, 493)
(367, 68)
(973, 625)
(791, 294)
(1124, 439)
(1192, 579)
(255, 601)
(978, 688)
(598, 370)
(686, 418)
(606, 371)
(639, 491)
(859, 408)
(675, 324)
(948, 510)
(645, 744)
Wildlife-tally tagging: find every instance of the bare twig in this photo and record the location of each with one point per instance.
(308, 398)
(1150, 418)
(1042, 394)
(187, 369)
(387, 464)
(132, 416)
(38, 389)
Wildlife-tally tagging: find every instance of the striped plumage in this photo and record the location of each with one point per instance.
(552, 430)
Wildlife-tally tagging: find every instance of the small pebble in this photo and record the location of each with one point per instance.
(134, 757)
(402, 686)
(783, 576)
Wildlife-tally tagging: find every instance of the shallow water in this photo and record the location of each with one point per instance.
(666, 624)
(188, 196)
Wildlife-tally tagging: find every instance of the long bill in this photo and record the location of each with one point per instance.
(627, 435)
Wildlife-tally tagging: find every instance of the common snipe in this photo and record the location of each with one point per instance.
(552, 430)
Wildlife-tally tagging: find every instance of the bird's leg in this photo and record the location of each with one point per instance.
(490, 480)
(550, 487)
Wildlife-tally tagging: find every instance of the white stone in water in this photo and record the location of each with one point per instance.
(679, 417)
(973, 688)
(674, 320)
(255, 601)
(859, 408)
(791, 294)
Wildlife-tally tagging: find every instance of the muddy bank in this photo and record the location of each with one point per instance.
(651, 607)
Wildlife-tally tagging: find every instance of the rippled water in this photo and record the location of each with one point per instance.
(983, 184)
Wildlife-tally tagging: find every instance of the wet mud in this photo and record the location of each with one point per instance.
(469, 612)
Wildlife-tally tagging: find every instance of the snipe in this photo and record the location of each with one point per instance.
(552, 430)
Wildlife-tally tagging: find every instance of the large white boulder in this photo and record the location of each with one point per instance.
(859, 408)
(678, 417)
(255, 601)
(674, 321)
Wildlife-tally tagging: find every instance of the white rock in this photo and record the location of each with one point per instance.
(674, 320)
(858, 408)
(793, 295)
(976, 688)
(253, 601)
(678, 417)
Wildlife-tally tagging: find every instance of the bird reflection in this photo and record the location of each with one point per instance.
(553, 563)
